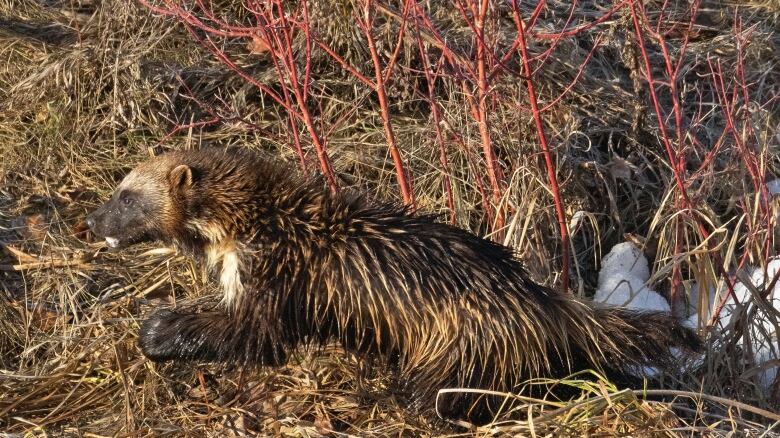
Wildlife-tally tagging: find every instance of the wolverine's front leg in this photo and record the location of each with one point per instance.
(210, 336)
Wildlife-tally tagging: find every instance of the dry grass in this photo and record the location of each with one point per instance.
(88, 89)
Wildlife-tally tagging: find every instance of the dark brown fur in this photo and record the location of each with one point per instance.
(442, 306)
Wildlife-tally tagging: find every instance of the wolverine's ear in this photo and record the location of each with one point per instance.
(180, 177)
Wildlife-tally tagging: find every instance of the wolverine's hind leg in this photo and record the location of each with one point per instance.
(210, 336)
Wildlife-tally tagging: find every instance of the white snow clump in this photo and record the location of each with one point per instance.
(624, 272)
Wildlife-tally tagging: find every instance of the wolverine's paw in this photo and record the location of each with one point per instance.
(157, 337)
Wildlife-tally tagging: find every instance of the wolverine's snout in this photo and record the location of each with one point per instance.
(92, 222)
(102, 226)
(120, 221)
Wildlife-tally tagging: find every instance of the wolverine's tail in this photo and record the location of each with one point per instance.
(637, 339)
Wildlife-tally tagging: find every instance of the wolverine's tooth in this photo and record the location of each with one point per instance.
(112, 242)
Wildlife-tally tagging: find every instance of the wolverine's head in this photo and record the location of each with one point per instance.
(148, 204)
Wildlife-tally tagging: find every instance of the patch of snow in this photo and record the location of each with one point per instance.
(773, 187)
(692, 321)
(740, 290)
(622, 278)
(624, 259)
(763, 355)
(622, 282)
(762, 331)
(576, 218)
(631, 293)
(763, 328)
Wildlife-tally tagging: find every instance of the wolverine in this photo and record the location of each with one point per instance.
(300, 265)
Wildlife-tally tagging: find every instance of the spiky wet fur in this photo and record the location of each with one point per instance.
(443, 307)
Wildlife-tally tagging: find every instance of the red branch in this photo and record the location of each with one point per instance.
(443, 161)
(365, 24)
(674, 162)
(559, 211)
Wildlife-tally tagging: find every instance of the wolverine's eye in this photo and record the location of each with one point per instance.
(126, 200)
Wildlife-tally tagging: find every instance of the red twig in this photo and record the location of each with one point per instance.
(307, 32)
(576, 77)
(676, 298)
(674, 162)
(403, 182)
(443, 161)
(479, 10)
(559, 211)
(352, 70)
(292, 71)
(574, 31)
(275, 58)
(756, 172)
(399, 42)
(275, 35)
